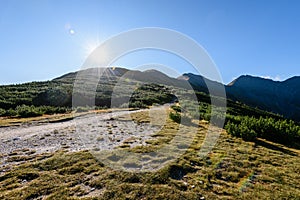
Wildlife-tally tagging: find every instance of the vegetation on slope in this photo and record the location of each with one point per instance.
(234, 169)
(36, 99)
(244, 121)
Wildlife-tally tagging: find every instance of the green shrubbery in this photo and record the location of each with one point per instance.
(32, 111)
(28, 111)
(241, 130)
(249, 123)
(179, 115)
(242, 121)
(176, 108)
(2, 112)
(175, 116)
(149, 94)
(137, 104)
(282, 131)
(37, 98)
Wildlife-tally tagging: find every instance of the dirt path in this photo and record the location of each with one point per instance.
(94, 131)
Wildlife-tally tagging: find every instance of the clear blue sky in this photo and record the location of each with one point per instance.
(42, 39)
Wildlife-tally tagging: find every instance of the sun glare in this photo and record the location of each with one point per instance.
(90, 46)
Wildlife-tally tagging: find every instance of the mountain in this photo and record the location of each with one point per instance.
(202, 84)
(113, 73)
(110, 72)
(274, 96)
(278, 97)
(59, 91)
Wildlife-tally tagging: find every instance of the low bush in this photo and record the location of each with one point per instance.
(248, 128)
(28, 111)
(32, 111)
(137, 104)
(175, 116)
(2, 112)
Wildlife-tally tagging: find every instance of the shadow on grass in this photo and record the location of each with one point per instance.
(274, 147)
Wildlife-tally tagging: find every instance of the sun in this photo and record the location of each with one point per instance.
(90, 45)
(94, 56)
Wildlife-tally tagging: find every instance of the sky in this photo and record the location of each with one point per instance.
(43, 39)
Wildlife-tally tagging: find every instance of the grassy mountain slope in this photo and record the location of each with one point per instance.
(234, 169)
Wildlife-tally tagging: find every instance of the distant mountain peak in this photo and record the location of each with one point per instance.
(249, 79)
(292, 79)
(281, 97)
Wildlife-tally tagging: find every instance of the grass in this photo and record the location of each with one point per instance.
(234, 169)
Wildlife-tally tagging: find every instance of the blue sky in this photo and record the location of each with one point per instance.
(43, 39)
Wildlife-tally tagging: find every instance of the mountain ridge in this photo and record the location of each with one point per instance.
(280, 97)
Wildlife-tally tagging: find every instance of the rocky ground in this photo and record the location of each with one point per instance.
(102, 131)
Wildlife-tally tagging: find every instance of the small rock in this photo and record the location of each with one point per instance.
(16, 138)
(202, 198)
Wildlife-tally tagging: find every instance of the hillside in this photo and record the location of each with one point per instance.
(234, 169)
(121, 88)
(58, 92)
(278, 97)
(282, 98)
(256, 155)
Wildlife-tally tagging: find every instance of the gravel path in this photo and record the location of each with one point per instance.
(94, 131)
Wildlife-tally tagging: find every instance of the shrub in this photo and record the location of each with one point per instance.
(11, 112)
(282, 131)
(28, 111)
(241, 130)
(176, 108)
(175, 116)
(2, 112)
(32, 111)
(137, 104)
(247, 134)
(233, 129)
